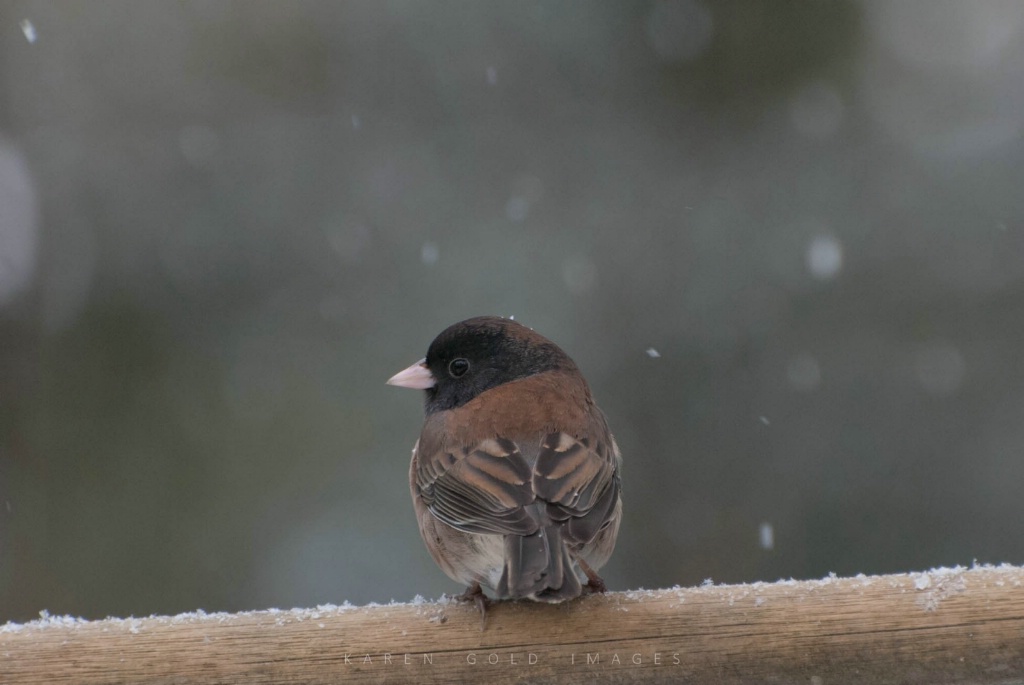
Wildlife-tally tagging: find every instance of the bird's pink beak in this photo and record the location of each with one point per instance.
(417, 377)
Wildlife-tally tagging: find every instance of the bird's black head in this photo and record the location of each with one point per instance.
(477, 354)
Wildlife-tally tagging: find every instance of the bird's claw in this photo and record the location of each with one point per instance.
(476, 595)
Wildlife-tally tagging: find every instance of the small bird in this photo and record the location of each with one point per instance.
(515, 476)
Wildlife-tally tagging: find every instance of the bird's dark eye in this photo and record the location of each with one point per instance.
(458, 367)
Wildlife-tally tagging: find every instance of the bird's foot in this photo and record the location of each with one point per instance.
(476, 595)
(595, 583)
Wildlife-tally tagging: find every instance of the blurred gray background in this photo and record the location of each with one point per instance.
(785, 242)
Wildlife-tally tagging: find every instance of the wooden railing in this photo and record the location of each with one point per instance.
(942, 626)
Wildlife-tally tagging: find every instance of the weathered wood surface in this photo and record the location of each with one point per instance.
(943, 626)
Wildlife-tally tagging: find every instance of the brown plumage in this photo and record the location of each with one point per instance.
(515, 477)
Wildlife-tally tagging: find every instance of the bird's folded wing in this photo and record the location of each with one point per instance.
(579, 479)
(485, 488)
(490, 487)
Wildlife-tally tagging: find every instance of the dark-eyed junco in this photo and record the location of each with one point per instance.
(515, 477)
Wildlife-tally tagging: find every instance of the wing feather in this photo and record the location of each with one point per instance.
(494, 488)
(483, 489)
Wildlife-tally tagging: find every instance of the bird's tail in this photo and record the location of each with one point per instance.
(538, 567)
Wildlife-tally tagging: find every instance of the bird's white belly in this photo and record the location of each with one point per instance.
(488, 562)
